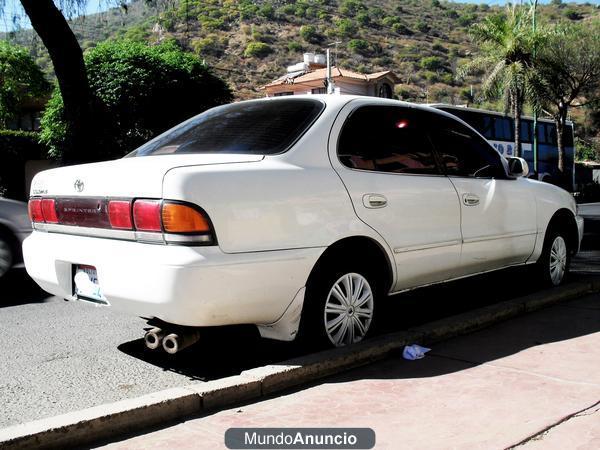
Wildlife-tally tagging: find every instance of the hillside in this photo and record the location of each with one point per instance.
(249, 43)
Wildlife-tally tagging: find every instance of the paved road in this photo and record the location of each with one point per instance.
(60, 356)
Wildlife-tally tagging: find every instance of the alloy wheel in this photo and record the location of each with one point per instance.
(348, 310)
(558, 260)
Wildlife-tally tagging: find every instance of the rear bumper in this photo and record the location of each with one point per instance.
(194, 286)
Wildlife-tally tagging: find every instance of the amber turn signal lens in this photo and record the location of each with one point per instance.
(179, 218)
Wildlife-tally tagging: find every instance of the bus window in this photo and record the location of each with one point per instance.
(541, 131)
(551, 133)
(526, 131)
(502, 129)
(488, 127)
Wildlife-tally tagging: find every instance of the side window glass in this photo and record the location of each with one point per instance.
(386, 139)
(463, 152)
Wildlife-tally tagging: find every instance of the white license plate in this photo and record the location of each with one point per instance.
(86, 284)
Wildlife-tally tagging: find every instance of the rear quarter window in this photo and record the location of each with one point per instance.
(257, 127)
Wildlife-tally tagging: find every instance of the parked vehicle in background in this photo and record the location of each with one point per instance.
(499, 130)
(296, 214)
(15, 226)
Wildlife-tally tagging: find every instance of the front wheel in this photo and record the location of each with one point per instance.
(339, 307)
(554, 262)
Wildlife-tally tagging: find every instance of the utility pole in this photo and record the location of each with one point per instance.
(535, 133)
(330, 84)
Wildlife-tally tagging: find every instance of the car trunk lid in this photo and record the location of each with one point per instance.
(127, 177)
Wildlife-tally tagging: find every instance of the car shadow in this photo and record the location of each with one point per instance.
(17, 288)
(227, 351)
(567, 321)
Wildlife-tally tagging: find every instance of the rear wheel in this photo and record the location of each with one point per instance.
(339, 308)
(554, 262)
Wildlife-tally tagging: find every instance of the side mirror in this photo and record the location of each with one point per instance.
(518, 167)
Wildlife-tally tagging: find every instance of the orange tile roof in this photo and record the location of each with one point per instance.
(321, 74)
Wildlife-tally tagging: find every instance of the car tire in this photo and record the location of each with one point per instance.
(553, 264)
(6, 255)
(339, 306)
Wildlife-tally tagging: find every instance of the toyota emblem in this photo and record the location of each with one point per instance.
(78, 185)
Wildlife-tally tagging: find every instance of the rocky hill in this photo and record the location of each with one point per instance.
(249, 43)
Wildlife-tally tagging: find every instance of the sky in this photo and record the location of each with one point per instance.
(94, 6)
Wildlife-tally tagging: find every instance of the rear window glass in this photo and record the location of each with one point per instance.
(256, 127)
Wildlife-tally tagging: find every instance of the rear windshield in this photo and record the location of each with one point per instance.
(256, 127)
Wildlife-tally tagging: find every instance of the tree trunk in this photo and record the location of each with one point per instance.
(67, 58)
(518, 109)
(560, 121)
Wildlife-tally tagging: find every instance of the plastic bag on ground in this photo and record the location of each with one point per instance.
(413, 352)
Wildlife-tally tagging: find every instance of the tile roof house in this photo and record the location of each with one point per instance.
(310, 77)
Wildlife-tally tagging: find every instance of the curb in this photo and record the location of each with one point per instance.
(137, 414)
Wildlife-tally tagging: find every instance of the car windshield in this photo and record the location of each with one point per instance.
(256, 127)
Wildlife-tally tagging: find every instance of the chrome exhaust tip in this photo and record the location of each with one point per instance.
(175, 342)
(153, 338)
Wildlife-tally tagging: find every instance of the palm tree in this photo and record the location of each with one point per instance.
(507, 44)
(569, 67)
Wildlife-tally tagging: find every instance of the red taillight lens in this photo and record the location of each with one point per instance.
(119, 214)
(35, 210)
(146, 215)
(49, 210)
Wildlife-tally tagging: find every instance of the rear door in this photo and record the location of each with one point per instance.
(498, 213)
(383, 156)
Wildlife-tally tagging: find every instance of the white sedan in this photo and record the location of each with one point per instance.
(295, 214)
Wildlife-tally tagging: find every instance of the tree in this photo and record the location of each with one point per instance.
(569, 67)
(67, 58)
(21, 80)
(141, 91)
(507, 44)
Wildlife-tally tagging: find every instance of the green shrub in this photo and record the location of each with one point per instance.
(351, 7)
(400, 28)
(346, 27)
(422, 26)
(257, 49)
(433, 63)
(294, 46)
(363, 19)
(451, 13)
(359, 46)
(309, 34)
(267, 11)
(210, 45)
(21, 80)
(139, 91)
(467, 19)
(572, 14)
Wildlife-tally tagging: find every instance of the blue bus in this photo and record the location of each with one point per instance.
(499, 130)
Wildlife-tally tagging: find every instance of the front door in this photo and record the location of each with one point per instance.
(498, 214)
(385, 159)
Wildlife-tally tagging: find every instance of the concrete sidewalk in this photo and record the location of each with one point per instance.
(533, 380)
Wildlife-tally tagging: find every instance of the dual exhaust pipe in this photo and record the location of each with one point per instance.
(172, 342)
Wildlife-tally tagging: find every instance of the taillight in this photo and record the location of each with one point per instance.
(173, 222)
(146, 215)
(179, 218)
(119, 214)
(49, 210)
(35, 210)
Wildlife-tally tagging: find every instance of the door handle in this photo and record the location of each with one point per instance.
(470, 199)
(374, 201)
